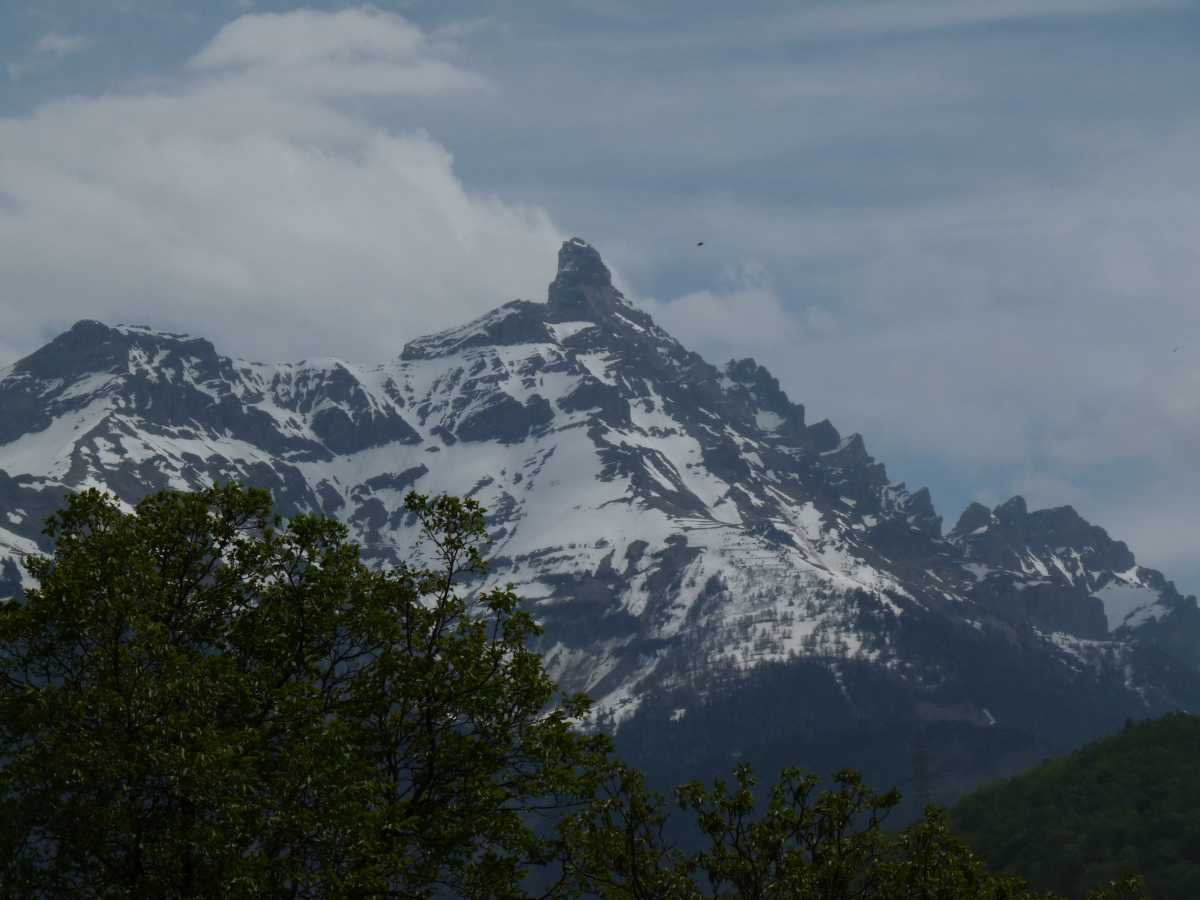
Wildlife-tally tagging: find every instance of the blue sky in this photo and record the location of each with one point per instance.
(966, 229)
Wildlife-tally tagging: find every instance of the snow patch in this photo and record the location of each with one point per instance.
(977, 570)
(564, 330)
(1129, 604)
(767, 421)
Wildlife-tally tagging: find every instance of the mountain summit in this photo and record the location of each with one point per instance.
(714, 571)
(583, 287)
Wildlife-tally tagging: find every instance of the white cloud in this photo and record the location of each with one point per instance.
(354, 51)
(745, 318)
(55, 44)
(254, 205)
(307, 36)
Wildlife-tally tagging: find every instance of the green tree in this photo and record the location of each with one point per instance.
(201, 700)
(807, 844)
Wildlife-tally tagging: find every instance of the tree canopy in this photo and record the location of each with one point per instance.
(807, 843)
(200, 699)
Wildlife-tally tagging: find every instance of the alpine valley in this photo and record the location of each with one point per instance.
(724, 579)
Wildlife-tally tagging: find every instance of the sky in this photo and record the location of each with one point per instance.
(967, 229)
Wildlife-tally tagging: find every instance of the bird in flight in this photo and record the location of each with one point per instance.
(699, 243)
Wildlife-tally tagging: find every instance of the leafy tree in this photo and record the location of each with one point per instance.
(808, 844)
(201, 700)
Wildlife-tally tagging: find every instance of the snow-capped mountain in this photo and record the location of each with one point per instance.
(1052, 568)
(680, 529)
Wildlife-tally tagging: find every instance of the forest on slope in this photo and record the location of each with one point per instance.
(1126, 803)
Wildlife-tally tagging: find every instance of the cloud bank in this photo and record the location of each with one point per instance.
(255, 197)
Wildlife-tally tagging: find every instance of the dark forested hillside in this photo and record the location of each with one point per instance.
(1130, 802)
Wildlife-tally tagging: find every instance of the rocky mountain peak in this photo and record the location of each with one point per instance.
(920, 504)
(1012, 511)
(580, 261)
(583, 289)
(87, 346)
(91, 348)
(1011, 532)
(518, 322)
(975, 516)
(581, 295)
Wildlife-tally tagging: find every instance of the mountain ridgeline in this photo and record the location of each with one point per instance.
(725, 579)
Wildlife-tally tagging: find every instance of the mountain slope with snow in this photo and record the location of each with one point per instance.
(679, 528)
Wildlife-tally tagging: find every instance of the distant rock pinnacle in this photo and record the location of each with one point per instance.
(582, 290)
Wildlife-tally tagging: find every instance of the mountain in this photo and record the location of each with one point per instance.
(1052, 568)
(721, 576)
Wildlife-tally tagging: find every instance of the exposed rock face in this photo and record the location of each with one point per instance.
(714, 571)
(1052, 568)
(582, 290)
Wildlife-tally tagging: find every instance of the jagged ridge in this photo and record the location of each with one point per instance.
(677, 526)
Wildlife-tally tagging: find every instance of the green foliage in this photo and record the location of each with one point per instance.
(199, 700)
(1128, 803)
(202, 700)
(807, 844)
